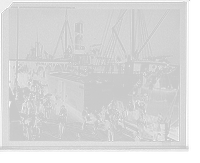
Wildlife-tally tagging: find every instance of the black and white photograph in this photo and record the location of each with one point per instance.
(94, 75)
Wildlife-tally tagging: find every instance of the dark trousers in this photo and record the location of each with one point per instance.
(61, 129)
(111, 135)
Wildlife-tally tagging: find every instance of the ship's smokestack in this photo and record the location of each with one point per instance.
(79, 36)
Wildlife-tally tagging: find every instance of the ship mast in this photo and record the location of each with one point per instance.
(132, 40)
(66, 33)
(17, 48)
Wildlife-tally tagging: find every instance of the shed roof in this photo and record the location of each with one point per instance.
(82, 79)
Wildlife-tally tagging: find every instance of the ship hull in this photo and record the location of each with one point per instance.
(160, 100)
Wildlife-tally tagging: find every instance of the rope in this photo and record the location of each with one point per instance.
(106, 32)
(70, 36)
(115, 32)
(146, 32)
(115, 41)
(59, 39)
(62, 44)
(153, 32)
(104, 38)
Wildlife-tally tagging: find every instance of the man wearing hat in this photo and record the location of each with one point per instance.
(61, 121)
(30, 104)
(156, 127)
(85, 117)
(30, 121)
(63, 110)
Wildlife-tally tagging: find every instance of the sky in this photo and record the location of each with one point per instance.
(47, 23)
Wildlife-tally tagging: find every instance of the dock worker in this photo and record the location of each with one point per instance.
(95, 118)
(141, 124)
(30, 121)
(130, 108)
(61, 121)
(111, 128)
(116, 119)
(106, 119)
(145, 100)
(30, 104)
(139, 107)
(145, 74)
(156, 127)
(63, 110)
(37, 104)
(38, 121)
(24, 104)
(48, 108)
(124, 114)
(85, 117)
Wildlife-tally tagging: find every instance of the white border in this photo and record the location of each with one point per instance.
(94, 145)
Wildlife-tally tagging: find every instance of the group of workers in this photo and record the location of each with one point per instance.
(158, 73)
(38, 108)
(111, 116)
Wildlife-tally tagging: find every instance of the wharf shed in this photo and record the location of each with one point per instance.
(81, 91)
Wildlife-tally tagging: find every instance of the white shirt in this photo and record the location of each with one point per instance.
(124, 114)
(107, 115)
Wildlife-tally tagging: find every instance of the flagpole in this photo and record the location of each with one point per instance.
(16, 79)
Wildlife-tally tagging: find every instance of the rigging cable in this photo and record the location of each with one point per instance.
(59, 40)
(154, 30)
(142, 35)
(131, 33)
(70, 36)
(139, 31)
(112, 40)
(62, 45)
(147, 35)
(106, 32)
(117, 32)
